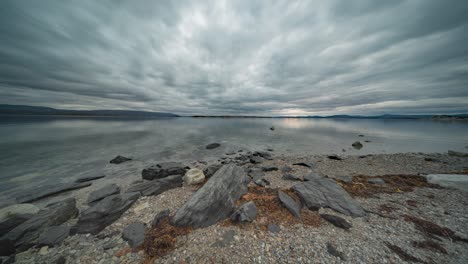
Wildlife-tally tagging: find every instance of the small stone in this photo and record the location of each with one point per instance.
(134, 234)
(119, 159)
(291, 177)
(44, 250)
(245, 213)
(212, 145)
(357, 145)
(194, 176)
(274, 228)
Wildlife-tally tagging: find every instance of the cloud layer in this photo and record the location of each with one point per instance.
(237, 57)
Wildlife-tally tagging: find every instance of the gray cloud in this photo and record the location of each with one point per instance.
(237, 57)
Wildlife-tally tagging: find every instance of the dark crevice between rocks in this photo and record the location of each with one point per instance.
(403, 254)
(431, 229)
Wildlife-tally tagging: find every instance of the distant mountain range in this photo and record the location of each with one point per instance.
(48, 111)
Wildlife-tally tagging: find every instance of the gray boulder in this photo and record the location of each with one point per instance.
(14, 215)
(211, 170)
(26, 234)
(134, 234)
(162, 170)
(216, 200)
(337, 221)
(104, 212)
(119, 159)
(47, 191)
(290, 203)
(53, 235)
(245, 213)
(156, 187)
(102, 193)
(320, 192)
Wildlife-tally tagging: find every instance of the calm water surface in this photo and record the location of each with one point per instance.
(37, 151)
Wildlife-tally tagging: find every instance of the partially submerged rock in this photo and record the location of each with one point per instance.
(89, 178)
(162, 170)
(102, 193)
(320, 192)
(134, 234)
(262, 154)
(194, 176)
(457, 154)
(262, 182)
(14, 215)
(212, 145)
(290, 204)
(50, 191)
(104, 212)
(286, 169)
(216, 200)
(53, 235)
(119, 159)
(337, 221)
(357, 145)
(245, 213)
(156, 187)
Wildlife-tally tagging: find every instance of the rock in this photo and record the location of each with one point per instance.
(110, 244)
(263, 154)
(104, 212)
(361, 135)
(216, 200)
(26, 234)
(269, 168)
(305, 164)
(273, 228)
(345, 178)
(291, 177)
(272, 128)
(211, 170)
(134, 234)
(212, 145)
(7, 247)
(102, 193)
(256, 160)
(228, 237)
(164, 214)
(245, 213)
(51, 190)
(44, 250)
(262, 182)
(377, 181)
(320, 192)
(337, 221)
(256, 174)
(156, 187)
(162, 170)
(312, 176)
(61, 260)
(286, 169)
(194, 176)
(14, 215)
(334, 157)
(357, 145)
(119, 159)
(290, 204)
(457, 154)
(334, 252)
(53, 235)
(90, 178)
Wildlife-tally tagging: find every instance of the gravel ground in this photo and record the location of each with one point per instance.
(365, 242)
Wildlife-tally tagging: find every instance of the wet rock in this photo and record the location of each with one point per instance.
(290, 204)
(90, 178)
(291, 177)
(162, 170)
(361, 135)
(286, 169)
(194, 176)
(334, 157)
(273, 228)
(305, 164)
(158, 218)
(320, 192)
(7, 247)
(211, 170)
(256, 159)
(357, 145)
(245, 213)
(53, 235)
(119, 159)
(457, 154)
(269, 168)
(212, 145)
(134, 234)
(104, 212)
(14, 215)
(337, 221)
(216, 200)
(156, 187)
(102, 193)
(377, 181)
(51, 190)
(26, 234)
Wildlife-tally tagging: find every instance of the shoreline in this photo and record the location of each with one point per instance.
(299, 243)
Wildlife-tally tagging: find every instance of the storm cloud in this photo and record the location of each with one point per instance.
(237, 57)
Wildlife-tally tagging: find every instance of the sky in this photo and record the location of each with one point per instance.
(241, 57)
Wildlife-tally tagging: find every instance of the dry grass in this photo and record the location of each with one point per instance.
(359, 187)
(430, 228)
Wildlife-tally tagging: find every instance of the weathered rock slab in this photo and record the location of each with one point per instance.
(212, 145)
(14, 215)
(162, 170)
(320, 192)
(156, 187)
(337, 221)
(211, 170)
(194, 176)
(216, 200)
(134, 234)
(102, 193)
(290, 204)
(119, 159)
(53, 235)
(51, 190)
(245, 213)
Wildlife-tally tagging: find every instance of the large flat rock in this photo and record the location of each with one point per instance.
(162, 170)
(156, 187)
(104, 213)
(320, 192)
(47, 191)
(455, 181)
(14, 215)
(102, 193)
(216, 200)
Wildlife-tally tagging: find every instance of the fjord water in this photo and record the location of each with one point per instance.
(42, 150)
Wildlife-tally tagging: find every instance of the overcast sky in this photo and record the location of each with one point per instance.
(237, 57)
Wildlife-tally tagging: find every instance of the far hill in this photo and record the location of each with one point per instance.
(48, 111)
